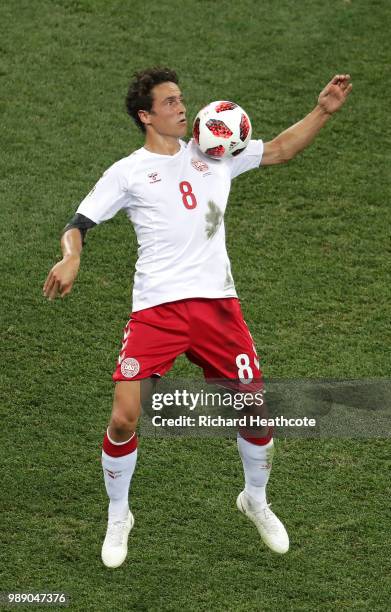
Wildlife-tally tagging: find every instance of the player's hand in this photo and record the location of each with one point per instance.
(61, 277)
(335, 93)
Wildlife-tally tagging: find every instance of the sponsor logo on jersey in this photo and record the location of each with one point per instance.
(130, 367)
(199, 165)
(154, 177)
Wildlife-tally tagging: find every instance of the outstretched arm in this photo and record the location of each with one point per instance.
(107, 197)
(299, 136)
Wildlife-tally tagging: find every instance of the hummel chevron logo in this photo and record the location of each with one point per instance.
(154, 177)
(112, 474)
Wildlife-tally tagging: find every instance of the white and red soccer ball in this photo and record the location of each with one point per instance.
(222, 129)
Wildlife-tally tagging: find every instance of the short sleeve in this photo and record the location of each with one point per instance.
(109, 195)
(248, 160)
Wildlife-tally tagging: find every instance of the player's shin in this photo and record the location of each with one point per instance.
(257, 457)
(118, 463)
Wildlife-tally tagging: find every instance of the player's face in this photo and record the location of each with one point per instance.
(168, 113)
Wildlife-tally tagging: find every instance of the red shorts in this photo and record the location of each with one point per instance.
(211, 332)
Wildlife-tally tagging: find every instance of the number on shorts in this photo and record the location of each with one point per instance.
(245, 372)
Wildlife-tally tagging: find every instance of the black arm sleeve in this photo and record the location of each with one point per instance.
(81, 223)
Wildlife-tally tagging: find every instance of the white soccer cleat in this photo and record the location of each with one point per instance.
(115, 546)
(271, 530)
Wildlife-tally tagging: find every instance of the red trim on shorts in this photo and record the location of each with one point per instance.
(119, 450)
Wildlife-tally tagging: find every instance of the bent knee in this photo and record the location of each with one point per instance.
(121, 428)
(124, 417)
(126, 410)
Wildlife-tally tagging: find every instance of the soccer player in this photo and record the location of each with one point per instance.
(184, 298)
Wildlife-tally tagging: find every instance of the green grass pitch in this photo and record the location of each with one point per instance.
(309, 245)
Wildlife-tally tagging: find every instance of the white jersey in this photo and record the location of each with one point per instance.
(176, 204)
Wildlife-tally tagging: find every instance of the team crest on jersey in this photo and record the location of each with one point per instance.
(199, 165)
(130, 367)
(154, 177)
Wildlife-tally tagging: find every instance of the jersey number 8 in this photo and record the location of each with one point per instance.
(188, 197)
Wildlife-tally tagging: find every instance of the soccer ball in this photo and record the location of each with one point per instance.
(222, 129)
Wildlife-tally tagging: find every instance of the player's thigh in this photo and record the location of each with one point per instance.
(153, 338)
(225, 349)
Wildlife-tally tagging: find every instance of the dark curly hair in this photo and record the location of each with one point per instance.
(139, 95)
